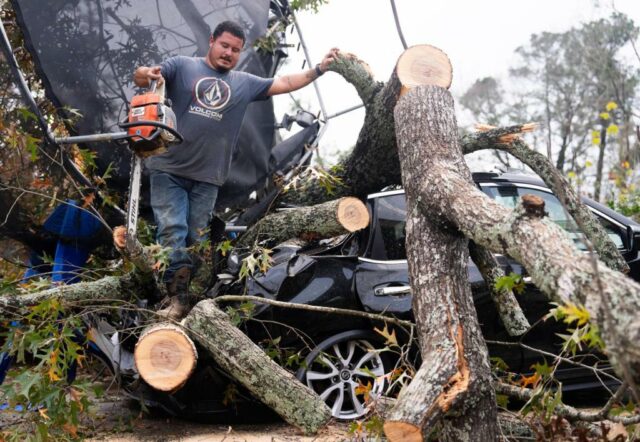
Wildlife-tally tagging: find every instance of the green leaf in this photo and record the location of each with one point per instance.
(224, 247)
(33, 146)
(502, 400)
(26, 114)
(512, 282)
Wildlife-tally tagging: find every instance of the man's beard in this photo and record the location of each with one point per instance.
(224, 69)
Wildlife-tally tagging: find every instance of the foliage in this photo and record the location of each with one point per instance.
(53, 346)
(241, 313)
(307, 5)
(328, 180)
(585, 333)
(512, 282)
(258, 260)
(569, 82)
(289, 358)
(626, 197)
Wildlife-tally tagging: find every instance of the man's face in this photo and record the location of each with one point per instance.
(224, 51)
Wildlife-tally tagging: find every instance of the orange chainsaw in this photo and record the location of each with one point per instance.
(150, 129)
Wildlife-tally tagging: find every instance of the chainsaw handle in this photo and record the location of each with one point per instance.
(169, 129)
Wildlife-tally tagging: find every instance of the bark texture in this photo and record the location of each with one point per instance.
(453, 385)
(559, 185)
(135, 253)
(556, 267)
(109, 288)
(324, 220)
(248, 364)
(511, 315)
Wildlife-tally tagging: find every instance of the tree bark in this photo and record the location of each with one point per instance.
(503, 139)
(109, 288)
(511, 315)
(136, 253)
(453, 385)
(324, 220)
(373, 163)
(246, 362)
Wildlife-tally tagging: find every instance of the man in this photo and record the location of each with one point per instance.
(209, 100)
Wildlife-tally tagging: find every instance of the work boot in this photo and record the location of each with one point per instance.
(178, 291)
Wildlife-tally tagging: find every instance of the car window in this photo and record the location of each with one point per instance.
(388, 235)
(510, 195)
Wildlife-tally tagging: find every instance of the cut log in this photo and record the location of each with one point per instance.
(234, 352)
(420, 65)
(136, 254)
(165, 357)
(325, 220)
(453, 386)
(373, 163)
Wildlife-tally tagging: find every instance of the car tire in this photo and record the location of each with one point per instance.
(341, 363)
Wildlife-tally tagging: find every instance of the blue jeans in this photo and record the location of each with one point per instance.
(182, 209)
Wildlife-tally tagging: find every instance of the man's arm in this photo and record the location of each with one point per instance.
(292, 82)
(144, 74)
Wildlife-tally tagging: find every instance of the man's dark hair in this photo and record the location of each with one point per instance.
(231, 27)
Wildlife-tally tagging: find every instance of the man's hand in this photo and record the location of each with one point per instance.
(331, 56)
(144, 75)
(294, 82)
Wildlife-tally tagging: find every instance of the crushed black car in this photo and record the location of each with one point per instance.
(367, 271)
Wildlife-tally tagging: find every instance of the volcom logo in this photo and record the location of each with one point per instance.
(212, 93)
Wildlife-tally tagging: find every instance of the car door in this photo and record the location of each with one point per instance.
(382, 276)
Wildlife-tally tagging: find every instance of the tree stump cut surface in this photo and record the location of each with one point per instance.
(424, 64)
(165, 357)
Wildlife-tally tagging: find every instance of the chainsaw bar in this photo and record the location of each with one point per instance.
(134, 202)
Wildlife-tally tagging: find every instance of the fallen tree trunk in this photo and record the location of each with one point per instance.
(248, 364)
(556, 267)
(453, 386)
(109, 288)
(324, 220)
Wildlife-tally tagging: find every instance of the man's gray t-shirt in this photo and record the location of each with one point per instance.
(209, 107)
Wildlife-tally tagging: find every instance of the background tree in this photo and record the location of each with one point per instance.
(564, 81)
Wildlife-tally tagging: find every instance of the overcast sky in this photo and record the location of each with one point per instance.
(478, 36)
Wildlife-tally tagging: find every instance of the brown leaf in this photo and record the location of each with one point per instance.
(617, 432)
(88, 200)
(42, 183)
(531, 380)
(119, 236)
(71, 429)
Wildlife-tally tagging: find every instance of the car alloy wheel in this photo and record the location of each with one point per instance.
(347, 372)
